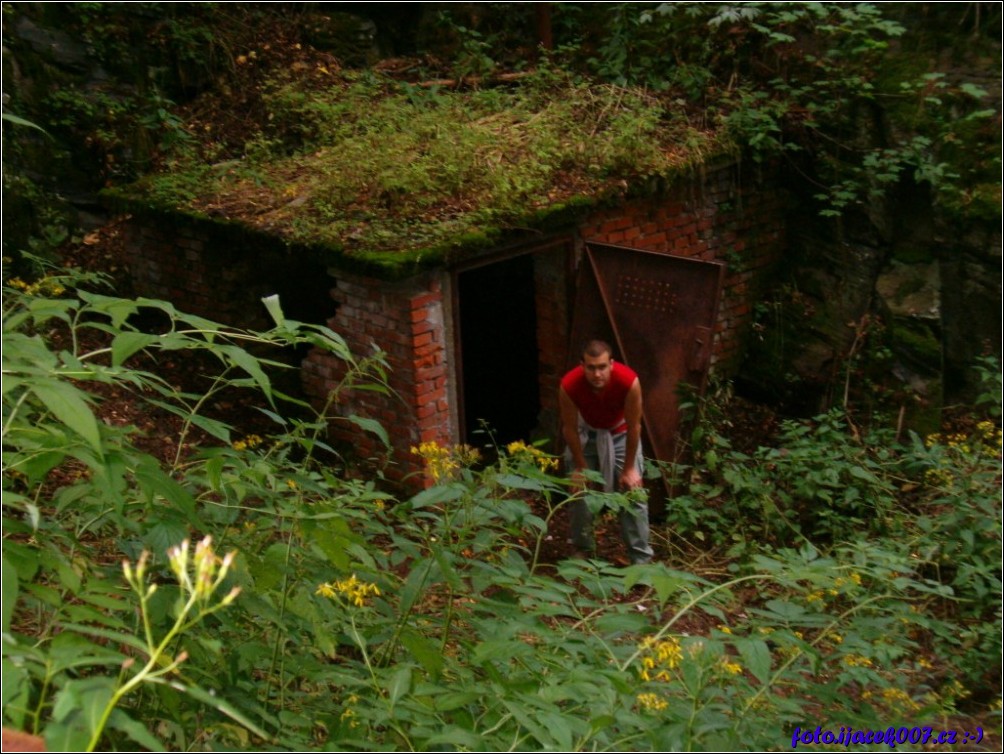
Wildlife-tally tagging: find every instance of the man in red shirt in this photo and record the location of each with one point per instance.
(600, 403)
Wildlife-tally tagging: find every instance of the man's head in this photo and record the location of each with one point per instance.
(597, 362)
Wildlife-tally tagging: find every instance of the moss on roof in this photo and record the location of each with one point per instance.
(392, 175)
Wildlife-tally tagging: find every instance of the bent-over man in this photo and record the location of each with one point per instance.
(600, 403)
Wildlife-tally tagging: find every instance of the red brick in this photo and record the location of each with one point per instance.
(417, 328)
(617, 223)
(426, 299)
(426, 393)
(424, 362)
(436, 374)
(428, 348)
(426, 410)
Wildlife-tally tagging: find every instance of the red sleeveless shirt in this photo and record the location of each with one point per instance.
(603, 410)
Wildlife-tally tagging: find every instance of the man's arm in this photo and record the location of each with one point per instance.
(570, 429)
(630, 476)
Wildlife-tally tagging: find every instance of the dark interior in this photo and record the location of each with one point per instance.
(498, 340)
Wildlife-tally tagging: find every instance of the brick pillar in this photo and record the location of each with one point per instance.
(406, 321)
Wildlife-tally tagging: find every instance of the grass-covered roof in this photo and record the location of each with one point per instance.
(381, 171)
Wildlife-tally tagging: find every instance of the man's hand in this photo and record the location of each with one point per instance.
(630, 479)
(578, 479)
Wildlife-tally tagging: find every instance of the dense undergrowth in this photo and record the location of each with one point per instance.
(861, 585)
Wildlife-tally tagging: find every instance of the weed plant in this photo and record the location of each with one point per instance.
(350, 619)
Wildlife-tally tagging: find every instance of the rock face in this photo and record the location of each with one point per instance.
(877, 313)
(911, 290)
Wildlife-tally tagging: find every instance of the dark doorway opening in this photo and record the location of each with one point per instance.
(498, 342)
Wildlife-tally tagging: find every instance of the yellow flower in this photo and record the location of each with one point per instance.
(326, 590)
(857, 661)
(348, 714)
(251, 441)
(444, 462)
(652, 702)
(352, 589)
(46, 286)
(520, 451)
(899, 700)
(732, 668)
(659, 657)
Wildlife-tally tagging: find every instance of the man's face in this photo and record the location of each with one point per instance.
(597, 370)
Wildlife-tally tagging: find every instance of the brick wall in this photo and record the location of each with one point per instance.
(406, 321)
(198, 272)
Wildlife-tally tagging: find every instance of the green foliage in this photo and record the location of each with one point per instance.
(821, 79)
(816, 485)
(935, 502)
(73, 481)
(432, 622)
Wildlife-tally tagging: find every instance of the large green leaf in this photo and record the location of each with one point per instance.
(156, 483)
(81, 704)
(437, 495)
(428, 653)
(398, 684)
(68, 406)
(138, 732)
(10, 118)
(756, 657)
(247, 362)
(220, 705)
(15, 692)
(127, 343)
(373, 426)
(333, 537)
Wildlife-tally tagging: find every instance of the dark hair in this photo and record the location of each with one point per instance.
(595, 348)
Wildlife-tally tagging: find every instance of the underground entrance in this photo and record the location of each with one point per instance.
(498, 351)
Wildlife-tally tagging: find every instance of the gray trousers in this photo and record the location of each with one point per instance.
(633, 520)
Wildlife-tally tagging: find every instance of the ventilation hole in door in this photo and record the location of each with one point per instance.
(639, 293)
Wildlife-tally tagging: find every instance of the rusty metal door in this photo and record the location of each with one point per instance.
(659, 312)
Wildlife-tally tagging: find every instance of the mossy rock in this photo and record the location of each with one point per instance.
(915, 341)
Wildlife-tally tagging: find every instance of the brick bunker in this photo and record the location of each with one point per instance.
(479, 338)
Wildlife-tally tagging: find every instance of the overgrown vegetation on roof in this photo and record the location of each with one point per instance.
(364, 164)
(856, 98)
